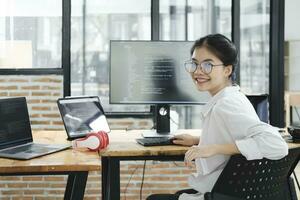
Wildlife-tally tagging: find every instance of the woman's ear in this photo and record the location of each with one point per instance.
(228, 70)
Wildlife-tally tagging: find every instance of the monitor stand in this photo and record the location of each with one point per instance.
(162, 120)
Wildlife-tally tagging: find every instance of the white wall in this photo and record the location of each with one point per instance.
(292, 20)
(292, 37)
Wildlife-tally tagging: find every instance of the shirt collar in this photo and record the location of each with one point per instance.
(224, 92)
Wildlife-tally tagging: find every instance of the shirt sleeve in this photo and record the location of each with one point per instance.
(254, 138)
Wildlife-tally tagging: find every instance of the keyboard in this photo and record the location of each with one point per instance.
(30, 148)
(155, 141)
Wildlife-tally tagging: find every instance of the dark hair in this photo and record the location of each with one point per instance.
(220, 46)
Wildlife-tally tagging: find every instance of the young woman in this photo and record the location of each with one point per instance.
(230, 123)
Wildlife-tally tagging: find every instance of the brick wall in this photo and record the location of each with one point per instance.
(41, 93)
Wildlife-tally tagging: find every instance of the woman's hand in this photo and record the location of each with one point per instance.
(199, 152)
(186, 140)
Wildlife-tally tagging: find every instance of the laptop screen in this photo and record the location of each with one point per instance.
(14, 122)
(82, 115)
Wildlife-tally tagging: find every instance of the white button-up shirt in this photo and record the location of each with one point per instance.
(229, 118)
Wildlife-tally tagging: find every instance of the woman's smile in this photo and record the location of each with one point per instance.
(201, 79)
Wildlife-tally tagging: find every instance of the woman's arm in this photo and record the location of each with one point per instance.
(205, 151)
(186, 140)
(253, 138)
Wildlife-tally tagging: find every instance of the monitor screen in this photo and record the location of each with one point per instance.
(261, 106)
(152, 72)
(82, 115)
(14, 122)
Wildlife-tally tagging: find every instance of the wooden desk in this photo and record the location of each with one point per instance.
(124, 147)
(76, 164)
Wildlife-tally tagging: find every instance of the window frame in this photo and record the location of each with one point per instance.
(276, 75)
(45, 71)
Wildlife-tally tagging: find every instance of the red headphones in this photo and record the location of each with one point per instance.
(94, 141)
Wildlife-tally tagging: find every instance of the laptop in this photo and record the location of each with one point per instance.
(82, 115)
(15, 132)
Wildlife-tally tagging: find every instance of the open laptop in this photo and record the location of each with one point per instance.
(82, 115)
(15, 132)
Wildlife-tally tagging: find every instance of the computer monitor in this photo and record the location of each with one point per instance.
(152, 72)
(261, 105)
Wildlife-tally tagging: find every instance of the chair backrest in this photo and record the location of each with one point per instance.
(262, 179)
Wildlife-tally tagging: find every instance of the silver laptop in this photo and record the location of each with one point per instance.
(15, 132)
(82, 115)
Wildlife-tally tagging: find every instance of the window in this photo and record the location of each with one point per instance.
(30, 33)
(93, 24)
(254, 49)
(190, 20)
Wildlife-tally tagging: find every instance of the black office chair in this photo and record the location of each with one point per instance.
(261, 179)
(256, 179)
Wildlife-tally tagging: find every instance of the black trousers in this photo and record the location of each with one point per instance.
(170, 196)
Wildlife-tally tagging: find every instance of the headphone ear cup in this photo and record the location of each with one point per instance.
(105, 138)
(93, 141)
(103, 142)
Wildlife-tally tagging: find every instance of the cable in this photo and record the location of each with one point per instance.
(131, 175)
(141, 190)
(296, 180)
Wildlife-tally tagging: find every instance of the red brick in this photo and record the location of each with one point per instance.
(10, 87)
(38, 185)
(31, 87)
(48, 198)
(51, 115)
(32, 178)
(40, 108)
(33, 192)
(56, 191)
(48, 101)
(47, 79)
(11, 192)
(33, 101)
(16, 185)
(51, 88)
(54, 178)
(93, 191)
(10, 178)
(41, 94)
(58, 185)
(35, 115)
(22, 198)
(18, 94)
(34, 122)
(57, 123)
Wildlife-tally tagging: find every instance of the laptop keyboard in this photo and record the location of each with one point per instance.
(156, 141)
(30, 148)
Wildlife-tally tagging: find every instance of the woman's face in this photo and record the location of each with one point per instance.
(217, 79)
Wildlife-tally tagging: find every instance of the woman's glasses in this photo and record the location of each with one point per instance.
(206, 67)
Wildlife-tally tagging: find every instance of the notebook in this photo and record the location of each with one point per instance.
(15, 132)
(82, 115)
